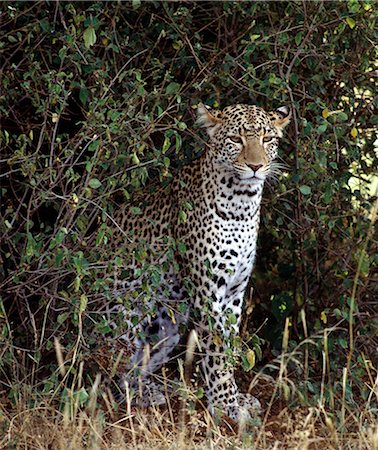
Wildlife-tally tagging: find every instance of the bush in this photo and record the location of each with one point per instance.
(98, 101)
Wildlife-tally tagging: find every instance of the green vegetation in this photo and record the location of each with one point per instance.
(97, 105)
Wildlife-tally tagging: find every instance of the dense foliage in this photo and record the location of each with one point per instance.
(98, 101)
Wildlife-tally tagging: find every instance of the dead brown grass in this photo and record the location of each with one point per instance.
(78, 416)
(101, 426)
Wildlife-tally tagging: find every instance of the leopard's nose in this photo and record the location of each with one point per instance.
(255, 167)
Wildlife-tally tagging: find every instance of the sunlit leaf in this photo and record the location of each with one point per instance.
(89, 37)
(351, 22)
(251, 357)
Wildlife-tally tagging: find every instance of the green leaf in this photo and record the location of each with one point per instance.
(342, 116)
(306, 190)
(182, 217)
(232, 319)
(136, 210)
(44, 24)
(82, 395)
(172, 88)
(200, 393)
(166, 144)
(351, 22)
(62, 317)
(294, 78)
(155, 278)
(298, 38)
(182, 307)
(322, 128)
(59, 257)
(83, 95)
(181, 247)
(32, 248)
(103, 327)
(60, 235)
(90, 37)
(95, 183)
(93, 146)
(178, 142)
(327, 196)
(249, 360)
(187, 205)
(101, 235)
(134, 159)
(83, 302)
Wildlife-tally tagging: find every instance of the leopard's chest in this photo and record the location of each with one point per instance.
(220, 232)
(232, 246)
(221, 248)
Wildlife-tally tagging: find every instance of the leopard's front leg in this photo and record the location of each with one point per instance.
(216, 330)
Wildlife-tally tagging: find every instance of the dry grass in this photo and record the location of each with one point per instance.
(36, 422)
(45, 427)
(74, 414)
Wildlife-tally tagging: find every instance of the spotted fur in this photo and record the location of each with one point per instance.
(224, 187)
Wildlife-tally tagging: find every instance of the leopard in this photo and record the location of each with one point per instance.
(212, 208)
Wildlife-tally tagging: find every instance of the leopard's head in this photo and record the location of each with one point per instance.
(244, 139)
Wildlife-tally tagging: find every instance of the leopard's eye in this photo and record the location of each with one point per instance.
(267, 139)
(236, 139)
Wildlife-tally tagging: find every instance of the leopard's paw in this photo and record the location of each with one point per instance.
(250, 403)
(244, 411)
(145, 393)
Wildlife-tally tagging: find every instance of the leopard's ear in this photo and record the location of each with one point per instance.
(208, 118)
(280, 118)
